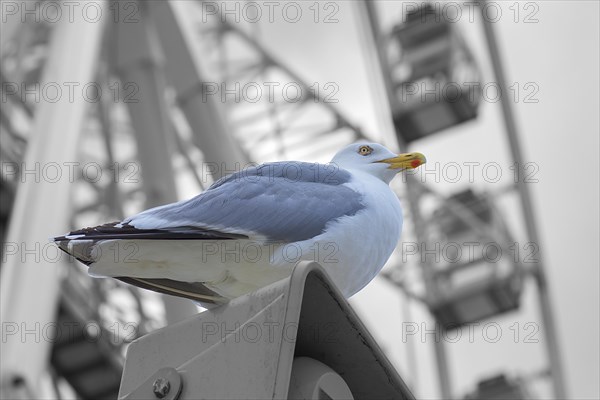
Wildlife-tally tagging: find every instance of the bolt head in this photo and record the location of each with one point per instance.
(161, 387)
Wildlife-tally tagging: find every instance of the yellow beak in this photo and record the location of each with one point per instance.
(405, 161)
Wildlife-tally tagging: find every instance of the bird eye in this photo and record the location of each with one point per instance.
(365, 150)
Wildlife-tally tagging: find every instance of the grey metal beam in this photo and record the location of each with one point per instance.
(510, 125)
(184, 73)
(30, 288)
(245, 348)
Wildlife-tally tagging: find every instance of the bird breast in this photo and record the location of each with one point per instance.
(355, 248)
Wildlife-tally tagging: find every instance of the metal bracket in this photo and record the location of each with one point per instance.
(164, 384)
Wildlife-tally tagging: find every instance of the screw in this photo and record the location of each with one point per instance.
(161, 387)
(18, 381)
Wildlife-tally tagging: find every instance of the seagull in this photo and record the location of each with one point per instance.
(249, 229)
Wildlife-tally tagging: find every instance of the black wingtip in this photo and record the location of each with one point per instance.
(120, 230)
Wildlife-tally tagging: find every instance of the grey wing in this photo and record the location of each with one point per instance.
(278, 202)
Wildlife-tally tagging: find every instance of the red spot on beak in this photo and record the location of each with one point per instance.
(415, 163)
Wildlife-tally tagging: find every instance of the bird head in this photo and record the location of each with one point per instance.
(376, 160)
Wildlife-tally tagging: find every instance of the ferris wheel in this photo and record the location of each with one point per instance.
(100, 120)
